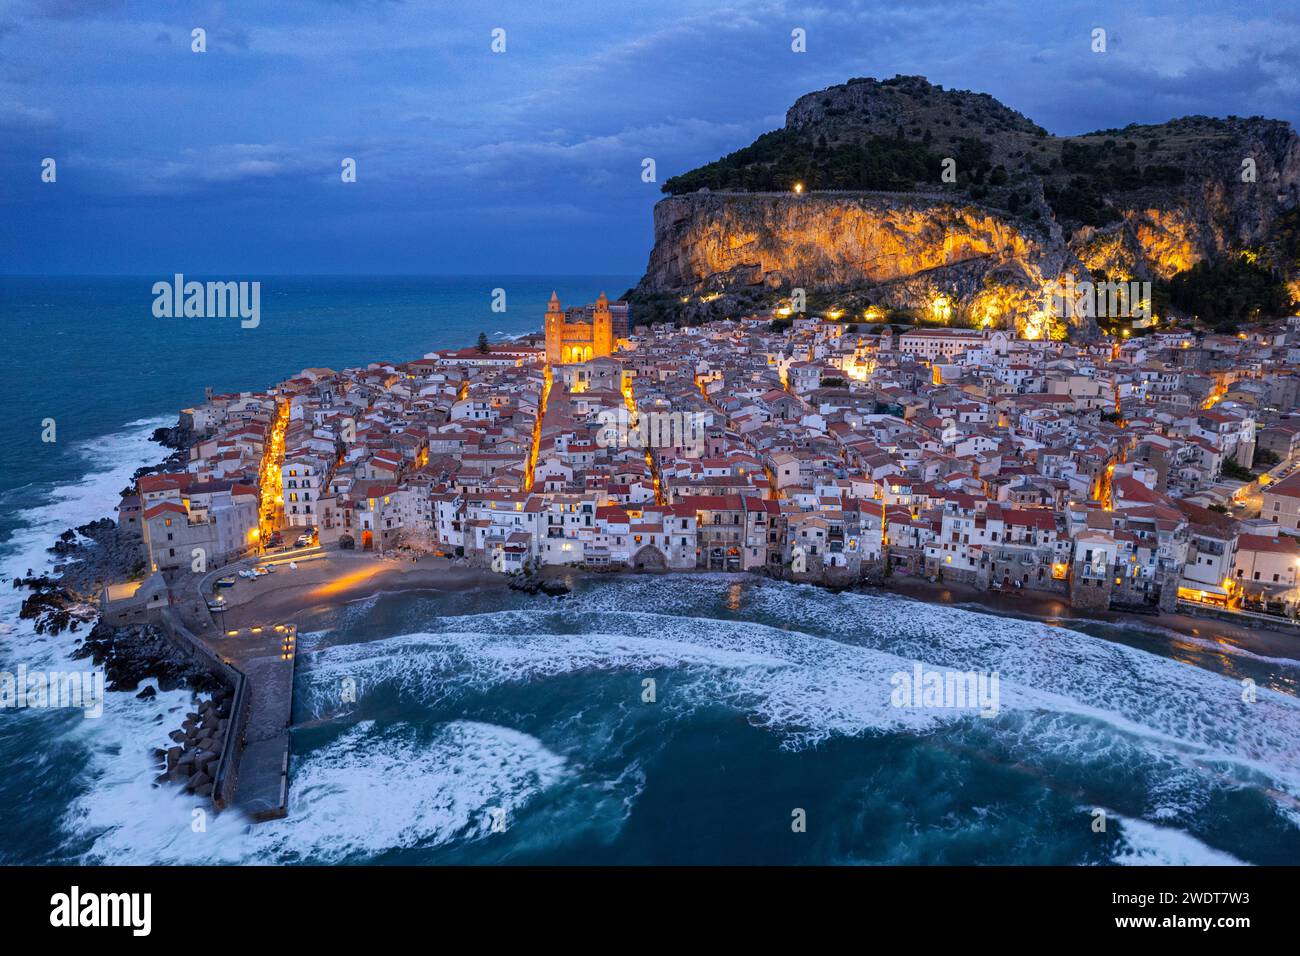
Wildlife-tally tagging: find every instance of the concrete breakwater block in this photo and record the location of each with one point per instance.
(195, 755)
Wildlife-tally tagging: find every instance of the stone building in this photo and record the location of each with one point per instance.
(569, 339)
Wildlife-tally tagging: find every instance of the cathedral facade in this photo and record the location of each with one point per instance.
(571, 339)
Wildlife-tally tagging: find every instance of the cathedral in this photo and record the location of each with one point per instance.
(570, 338)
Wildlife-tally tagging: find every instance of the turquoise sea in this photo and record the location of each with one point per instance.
(502, 727)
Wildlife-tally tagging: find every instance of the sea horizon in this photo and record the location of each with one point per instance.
(394, 318)
(308, 275)
(859, 440)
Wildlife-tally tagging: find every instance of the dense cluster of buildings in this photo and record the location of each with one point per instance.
(1127, 472)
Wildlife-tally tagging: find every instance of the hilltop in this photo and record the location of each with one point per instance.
(878, 224)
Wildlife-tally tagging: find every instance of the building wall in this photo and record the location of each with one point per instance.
(1089, 590)
(299, 483)
(1267, 565)
(1282, 510)
(1204, 567)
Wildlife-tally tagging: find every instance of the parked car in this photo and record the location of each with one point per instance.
(303, 541)
(227, 582)
(216, 605)
(247, 573)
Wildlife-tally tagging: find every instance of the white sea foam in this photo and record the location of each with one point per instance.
(1214, 645)
(376, 789)
(1165, 702)
(121, 816)
(1146, 844)
(112, 460)
(1069, 700)
(370, 791)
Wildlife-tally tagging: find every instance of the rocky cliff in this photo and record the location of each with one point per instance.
(879, 224)
(892, 251)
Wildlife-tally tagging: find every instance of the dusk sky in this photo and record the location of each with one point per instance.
(528, 161)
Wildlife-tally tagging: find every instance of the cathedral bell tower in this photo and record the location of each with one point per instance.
(602, 329)
(554, 329)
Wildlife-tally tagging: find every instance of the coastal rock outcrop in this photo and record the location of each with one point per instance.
(89, 556)
(136, 652)
(877, 222)
(536, 584)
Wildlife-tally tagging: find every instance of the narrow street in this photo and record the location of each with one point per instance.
(269, 480)
(629, 399)
(537, 428)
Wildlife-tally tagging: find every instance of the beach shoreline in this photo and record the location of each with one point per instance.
(328, 580)
(332, 579)
(1056, 610)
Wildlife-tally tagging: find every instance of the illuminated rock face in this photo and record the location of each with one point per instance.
(821, 241)
(909, 249)
(1170, 195)
(1218, 211)
(1148, 243)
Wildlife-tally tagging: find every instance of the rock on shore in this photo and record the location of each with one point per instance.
(136, 652)
(88, 557)
(534, 584)
(179, 437)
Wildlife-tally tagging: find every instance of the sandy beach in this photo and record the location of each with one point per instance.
(333, 578)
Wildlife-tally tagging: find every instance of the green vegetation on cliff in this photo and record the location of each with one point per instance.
(893, 135)
(1227, 293)
(779, 159)
(1203, 207)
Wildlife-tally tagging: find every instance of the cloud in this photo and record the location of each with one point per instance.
(73, 9)
(210, 169)
(233, 38)
(466, 154)
(16, 117)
